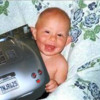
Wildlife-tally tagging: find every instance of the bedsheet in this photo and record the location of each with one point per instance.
(83, 77)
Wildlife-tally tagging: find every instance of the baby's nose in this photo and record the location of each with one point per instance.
(53, 38)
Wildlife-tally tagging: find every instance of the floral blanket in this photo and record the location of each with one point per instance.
(83, 54)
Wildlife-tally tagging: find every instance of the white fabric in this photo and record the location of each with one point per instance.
(79, 56)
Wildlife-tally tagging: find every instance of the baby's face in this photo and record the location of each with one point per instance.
(51, 35)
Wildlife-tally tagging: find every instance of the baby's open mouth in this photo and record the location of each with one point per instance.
(49, 48)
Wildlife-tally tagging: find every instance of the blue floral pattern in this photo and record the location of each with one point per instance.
(91, 19)
(86, 21)
(39, 5)
(92, 6)
(78, 16)
(75, 33)
(90, 90)
(89, 65)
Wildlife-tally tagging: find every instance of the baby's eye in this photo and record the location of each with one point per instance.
(47, 32)
(60, 35)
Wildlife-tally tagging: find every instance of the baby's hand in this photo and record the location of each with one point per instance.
(51, 86)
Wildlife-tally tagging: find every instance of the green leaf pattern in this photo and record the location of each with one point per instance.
(3, 7)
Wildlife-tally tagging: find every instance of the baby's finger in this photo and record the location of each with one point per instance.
(51, 86)
(50, 83)
(50, 90)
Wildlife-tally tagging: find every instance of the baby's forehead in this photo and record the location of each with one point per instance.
(54, 12)
(57, 17)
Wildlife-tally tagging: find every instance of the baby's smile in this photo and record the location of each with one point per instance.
(49, 48)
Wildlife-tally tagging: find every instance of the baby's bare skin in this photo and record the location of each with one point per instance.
(51, 35)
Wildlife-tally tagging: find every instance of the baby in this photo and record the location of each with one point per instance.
(51, 35)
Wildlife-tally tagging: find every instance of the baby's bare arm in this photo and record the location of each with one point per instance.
(62, 71)
(60, 75)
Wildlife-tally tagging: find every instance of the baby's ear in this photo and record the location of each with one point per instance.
(33, 30)
(69, 39)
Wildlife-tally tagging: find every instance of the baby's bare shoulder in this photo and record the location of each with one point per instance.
(61, 62)
(61, 59)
